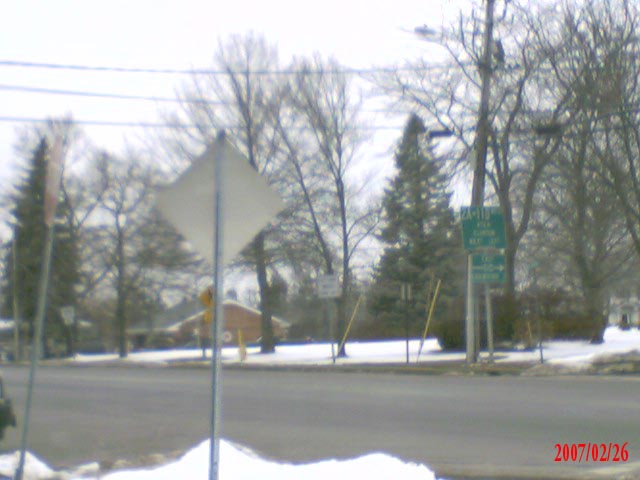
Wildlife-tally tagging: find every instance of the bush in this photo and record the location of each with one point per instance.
(561, 314)
(516, 319)
(449, 325)
(506, 315)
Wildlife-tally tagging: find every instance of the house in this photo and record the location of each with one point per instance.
(624, 310)
(6, 337)
(86, 333)
(183, 325)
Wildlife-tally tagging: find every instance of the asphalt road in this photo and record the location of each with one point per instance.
(459, 426)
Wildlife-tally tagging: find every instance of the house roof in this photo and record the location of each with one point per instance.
(189, 310)
(7, 324)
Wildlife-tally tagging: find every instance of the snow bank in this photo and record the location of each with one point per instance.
(241, 464)
(576, 354)
(236, 463)
(34, 468)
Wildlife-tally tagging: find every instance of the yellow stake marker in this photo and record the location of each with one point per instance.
(426, 328)
(242, 348)
(353, 316)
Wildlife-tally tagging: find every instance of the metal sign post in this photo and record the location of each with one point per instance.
(71, 322)
(489, 315)
(405, 296)
(233, 203)
(217, 326)
(329, 289)
(483, 235)
(470, 317)
(52, 187)
(36, 348)
(332, 330)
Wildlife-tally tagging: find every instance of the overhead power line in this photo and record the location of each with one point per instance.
(121, 96)
(103, 123)
(185, 126)
(118, 96)
(208, 71)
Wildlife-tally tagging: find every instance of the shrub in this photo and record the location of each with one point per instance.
(449, 325)
(561, 314)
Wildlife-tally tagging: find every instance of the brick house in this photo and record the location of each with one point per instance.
(182, 325)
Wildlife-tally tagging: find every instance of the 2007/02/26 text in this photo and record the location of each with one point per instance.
(591, 452)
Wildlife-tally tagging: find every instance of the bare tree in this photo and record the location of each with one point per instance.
(591, 49)
(129, 249)
(609, 30)
(448, 95)
(240, 98)
(581, 228)
(321, 142)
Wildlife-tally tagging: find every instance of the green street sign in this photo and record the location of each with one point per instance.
(487, 268)
(482, 227)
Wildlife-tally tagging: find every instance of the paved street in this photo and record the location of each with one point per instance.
(457, 425)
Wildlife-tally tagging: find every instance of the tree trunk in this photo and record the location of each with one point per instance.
(68, 339)
(121, 316)
(510, 270)
(341, 323)
(267, 345)
(595, 314)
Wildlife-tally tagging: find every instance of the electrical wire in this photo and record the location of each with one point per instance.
(207, 71)
(118, 96)
(183, 126)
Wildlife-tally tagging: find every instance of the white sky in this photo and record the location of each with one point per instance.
(182, 34)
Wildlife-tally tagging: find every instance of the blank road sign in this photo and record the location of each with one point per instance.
(328, 286)
(248, 203)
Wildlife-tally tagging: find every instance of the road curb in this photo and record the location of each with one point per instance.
(436, 368)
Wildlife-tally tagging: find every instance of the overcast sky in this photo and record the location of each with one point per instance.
(180, 34)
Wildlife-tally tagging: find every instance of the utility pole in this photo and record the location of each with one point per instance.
(479, 171)
(406, 296)
(17, 351)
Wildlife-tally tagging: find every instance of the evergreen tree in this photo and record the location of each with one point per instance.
(28, 226)
(421, 238)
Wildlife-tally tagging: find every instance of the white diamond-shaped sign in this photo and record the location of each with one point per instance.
(248, 202)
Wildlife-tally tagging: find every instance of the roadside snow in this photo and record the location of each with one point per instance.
(615, 341)
(241, 464)
(577, 353)
(34, 468)
(237, 463)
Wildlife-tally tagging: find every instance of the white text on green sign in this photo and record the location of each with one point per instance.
(487, 268)
(482, 227)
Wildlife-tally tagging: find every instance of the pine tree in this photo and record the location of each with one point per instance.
(29, 236)
(419, 233)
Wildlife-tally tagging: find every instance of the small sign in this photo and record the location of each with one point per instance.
(328, 286)
(52, 181)
(487, 268)
(482, 227)
(68, 314)
(405, 292)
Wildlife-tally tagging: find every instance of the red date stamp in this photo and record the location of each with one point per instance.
(591, 452)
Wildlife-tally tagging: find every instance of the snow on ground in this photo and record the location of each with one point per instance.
(574, 353)
(241, 464)
(580, 354)
(34, 468)
(237, 463)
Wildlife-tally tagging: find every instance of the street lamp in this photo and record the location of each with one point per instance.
(424, 31)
